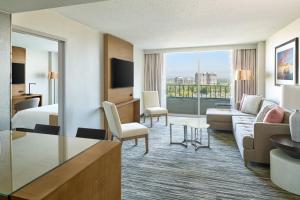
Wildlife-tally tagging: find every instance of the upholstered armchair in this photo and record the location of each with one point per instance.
(124, 132)
(152, 106)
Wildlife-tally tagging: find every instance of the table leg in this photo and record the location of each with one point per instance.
(184, 142)
(171, 133)
(208, 135)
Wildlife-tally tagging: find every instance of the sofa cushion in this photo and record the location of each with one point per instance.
(275, 115)
(223, 115)
(263, 112)
(244, 136)
(248, 119)
(251, 104)
(242, 101)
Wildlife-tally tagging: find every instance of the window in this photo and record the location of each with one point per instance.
(197, 81)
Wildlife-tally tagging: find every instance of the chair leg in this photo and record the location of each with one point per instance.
(146, 143)
(166, 119)
(246, 163)
(136, 141)
(151, 121)
(144, 117)
(158, 118)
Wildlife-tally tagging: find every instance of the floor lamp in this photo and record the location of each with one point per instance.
(243, 75)
(53, 76)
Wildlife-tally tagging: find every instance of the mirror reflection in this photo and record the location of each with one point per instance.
(34, 84)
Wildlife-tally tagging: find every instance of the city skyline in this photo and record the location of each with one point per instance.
(185, 64)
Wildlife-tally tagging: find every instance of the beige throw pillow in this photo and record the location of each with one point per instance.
(251, 104)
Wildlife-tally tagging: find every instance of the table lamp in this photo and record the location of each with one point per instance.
(289, 100)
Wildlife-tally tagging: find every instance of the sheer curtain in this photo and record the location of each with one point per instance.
(154, 75)
(244, 59)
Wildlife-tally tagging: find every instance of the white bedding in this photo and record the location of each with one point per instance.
(30, 117)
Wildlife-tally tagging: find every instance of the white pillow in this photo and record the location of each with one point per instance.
(251, 104)
(262, 113)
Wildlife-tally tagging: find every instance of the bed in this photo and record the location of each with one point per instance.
(27, 119)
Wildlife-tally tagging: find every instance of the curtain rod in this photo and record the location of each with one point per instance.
(203, 48)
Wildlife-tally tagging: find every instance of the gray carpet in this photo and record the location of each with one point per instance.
(175, 172)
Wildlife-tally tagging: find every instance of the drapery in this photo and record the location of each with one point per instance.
(154, 72)
(244, 59)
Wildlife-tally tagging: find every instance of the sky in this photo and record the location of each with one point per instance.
(186, 64)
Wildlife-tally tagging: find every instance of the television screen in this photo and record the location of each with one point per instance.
(121, 73)
(18, 73)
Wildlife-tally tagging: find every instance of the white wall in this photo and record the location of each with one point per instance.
(287, 33)
(37, 72)
(84, 68)
(138, 75)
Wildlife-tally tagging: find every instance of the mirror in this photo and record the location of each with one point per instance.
(34, 84)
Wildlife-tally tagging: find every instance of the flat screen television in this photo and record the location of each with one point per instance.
(18, 73)
(121, 73)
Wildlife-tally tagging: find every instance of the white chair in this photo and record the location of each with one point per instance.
(124, 132)
(152, 106)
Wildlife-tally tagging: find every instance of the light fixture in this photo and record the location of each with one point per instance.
(53, 76)
(243, 75)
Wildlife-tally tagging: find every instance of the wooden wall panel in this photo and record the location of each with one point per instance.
(116, 48)
(18, 55)
(94, 174)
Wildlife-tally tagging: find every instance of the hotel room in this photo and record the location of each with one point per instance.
(149, 99)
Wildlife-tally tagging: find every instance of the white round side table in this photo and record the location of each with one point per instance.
(285, 171)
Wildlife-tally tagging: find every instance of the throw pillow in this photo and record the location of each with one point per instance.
(275, 115)
(251, 104)
(263, 112)
(242, 101)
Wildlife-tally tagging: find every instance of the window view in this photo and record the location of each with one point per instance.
(197, 78)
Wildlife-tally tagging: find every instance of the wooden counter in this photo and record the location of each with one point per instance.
(94, 174)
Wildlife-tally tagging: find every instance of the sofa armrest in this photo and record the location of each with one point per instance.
(263, 132)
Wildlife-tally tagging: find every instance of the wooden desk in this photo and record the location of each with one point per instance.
(16, 99)
(129, 111)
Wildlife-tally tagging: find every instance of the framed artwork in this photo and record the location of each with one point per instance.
(286, 63)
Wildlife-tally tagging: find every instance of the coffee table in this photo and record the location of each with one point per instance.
(196, 133)
(179, 122)
(197, 125)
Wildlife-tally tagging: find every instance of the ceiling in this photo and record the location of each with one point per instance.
(155, 24)
(33, 42)
(13, 6)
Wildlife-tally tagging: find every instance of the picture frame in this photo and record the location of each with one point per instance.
(286, 63)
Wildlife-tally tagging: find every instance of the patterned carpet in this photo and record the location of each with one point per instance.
(175, 172)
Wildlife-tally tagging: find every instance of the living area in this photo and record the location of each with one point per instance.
(188, 100)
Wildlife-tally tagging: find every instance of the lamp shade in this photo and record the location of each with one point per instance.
(289, 96)
(53, 75)
(243, 75)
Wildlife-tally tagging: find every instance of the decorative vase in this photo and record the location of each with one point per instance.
(295, 126)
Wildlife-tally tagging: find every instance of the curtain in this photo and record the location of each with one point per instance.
(244, 59)
(154, 72)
